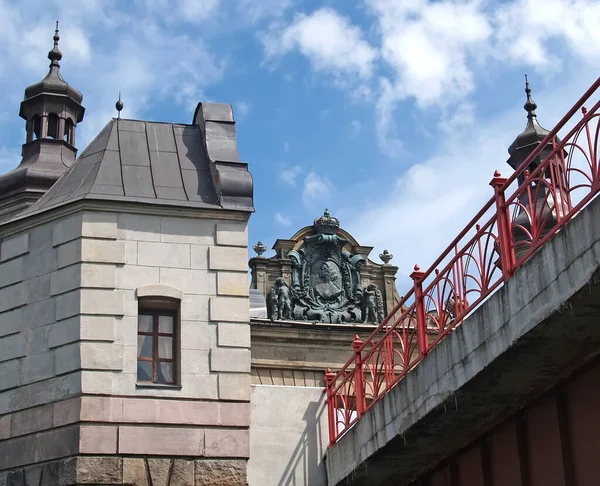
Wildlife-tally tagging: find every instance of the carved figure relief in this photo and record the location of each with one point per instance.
(373, 304)
(325, 282)
(281, 300)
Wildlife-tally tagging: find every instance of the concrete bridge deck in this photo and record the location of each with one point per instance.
(532, 333)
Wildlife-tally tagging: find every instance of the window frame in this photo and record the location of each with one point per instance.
(156, 307)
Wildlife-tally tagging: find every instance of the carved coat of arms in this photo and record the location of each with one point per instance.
(325, 282)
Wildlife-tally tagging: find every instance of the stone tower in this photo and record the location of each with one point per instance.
(51, 109)
(124, 310)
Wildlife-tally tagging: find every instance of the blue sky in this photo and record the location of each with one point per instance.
(391, 113)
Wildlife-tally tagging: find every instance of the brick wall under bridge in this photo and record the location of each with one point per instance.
(554, 441)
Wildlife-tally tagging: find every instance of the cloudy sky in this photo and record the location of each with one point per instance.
(391, 113)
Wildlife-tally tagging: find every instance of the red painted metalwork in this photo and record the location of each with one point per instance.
(481, 258)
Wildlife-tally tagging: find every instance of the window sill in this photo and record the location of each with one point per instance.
(158, 386)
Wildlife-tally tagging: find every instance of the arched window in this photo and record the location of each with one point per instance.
(37, 126)
(68, 136)
(53, 126)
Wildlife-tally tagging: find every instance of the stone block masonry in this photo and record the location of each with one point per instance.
(69, 292)
(131, 471)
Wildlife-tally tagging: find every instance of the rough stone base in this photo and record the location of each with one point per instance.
(130, 471)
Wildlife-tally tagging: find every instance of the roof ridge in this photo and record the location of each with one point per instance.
(157, 122)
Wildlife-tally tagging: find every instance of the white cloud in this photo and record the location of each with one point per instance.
(242, 108)
(317, 190)
(132, 53)
(385, 125)
(459, 118)
(286, 147)
(428, 44)
(435, 49)
(132, 69)
(524, 29)
(289, 176)
(179, 11)
(282, 220)
(431, 202)
(255, 11)
(195, 11)
(356, 126)
(328, 40)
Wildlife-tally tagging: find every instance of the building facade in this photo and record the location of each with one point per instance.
(124, 309)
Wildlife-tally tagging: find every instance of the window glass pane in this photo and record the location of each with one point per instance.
(144, 371)
(145, 323)
(165, 324)
(165, 372)
(144, 346)
(165, 347)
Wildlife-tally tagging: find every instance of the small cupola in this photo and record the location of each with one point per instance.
(543, 202)
(528, 140)
(52, 108)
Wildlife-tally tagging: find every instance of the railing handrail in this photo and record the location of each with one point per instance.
(353, 369)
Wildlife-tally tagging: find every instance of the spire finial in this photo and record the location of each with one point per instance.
(119, 105)
(529, 105)
(55, 55)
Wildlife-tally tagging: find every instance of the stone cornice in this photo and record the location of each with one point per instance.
(22, 224)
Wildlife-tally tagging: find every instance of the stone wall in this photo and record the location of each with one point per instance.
(287, 447)
(130, 471)
(68, 345)
(299, 354)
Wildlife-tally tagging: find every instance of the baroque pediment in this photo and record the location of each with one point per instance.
(322, 274)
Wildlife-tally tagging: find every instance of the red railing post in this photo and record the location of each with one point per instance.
(331, 414)
(358, 377)
(417, 277)
(505, 236)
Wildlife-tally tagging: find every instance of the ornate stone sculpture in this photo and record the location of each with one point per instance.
(259, 248)
(325, 282)
(281, 300)
(386, 257)
(373, 304)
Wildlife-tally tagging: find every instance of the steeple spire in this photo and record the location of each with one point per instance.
(55, 55)
(529, 138)
(530, 105)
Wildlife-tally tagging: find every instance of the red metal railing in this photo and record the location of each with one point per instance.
(500, 238)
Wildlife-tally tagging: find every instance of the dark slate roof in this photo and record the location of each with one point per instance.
(531, 137)
(168, 164)
(55, 84)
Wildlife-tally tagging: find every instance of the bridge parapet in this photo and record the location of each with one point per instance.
(530, 334)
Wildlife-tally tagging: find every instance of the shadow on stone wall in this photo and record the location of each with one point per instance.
(288, 436)
(307, 455)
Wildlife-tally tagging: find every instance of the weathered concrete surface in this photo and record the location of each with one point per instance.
(288, 436)
(526, 337)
